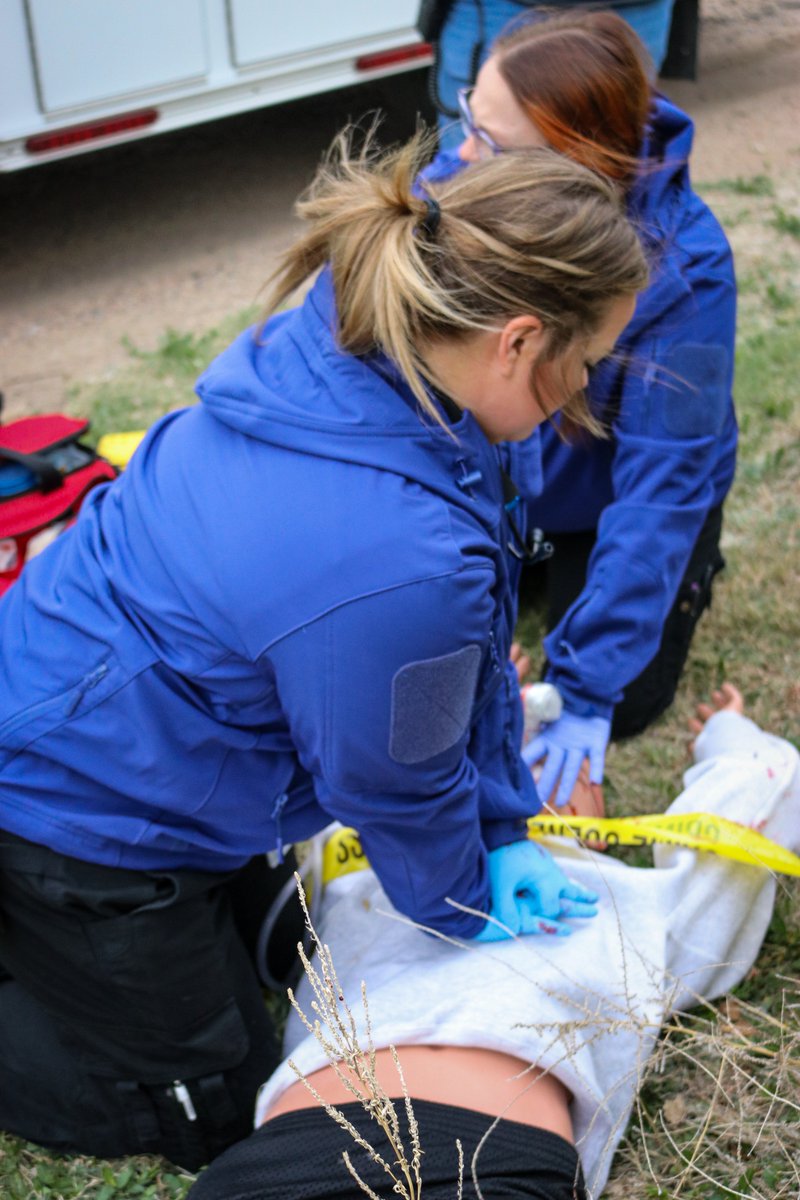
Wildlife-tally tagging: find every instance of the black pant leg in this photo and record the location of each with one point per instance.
(41, 1086)
(556, 582)
(144, 993)
(566, 571)
(653, 690)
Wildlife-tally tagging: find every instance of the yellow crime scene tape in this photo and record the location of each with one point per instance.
(697, 831)
(344, 854)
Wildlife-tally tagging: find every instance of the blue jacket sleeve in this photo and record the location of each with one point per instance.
(379, 695)
(674, 422)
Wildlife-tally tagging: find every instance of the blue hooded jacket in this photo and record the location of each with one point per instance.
(666, 394)
(293, 607)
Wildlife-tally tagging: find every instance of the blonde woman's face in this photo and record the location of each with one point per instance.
(495, 112)
(490, 376)
(570, 369)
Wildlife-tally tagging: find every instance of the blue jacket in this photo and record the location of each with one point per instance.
(293, 607)
(667, 396)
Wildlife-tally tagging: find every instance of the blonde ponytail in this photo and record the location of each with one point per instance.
(521, 233)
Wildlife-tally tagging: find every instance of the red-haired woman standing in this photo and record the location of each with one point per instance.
(635, 517)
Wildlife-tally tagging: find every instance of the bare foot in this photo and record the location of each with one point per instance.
(521, 661)
(727, 699)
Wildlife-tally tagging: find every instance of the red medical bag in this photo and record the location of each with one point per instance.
(45, 473)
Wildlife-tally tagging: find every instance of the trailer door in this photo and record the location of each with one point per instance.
(88, 51)
(262, 32)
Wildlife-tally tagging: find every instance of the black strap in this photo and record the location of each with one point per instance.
(217, 1100)
(430, 18)
(139, 1115)
(430, 22)
(47, 474)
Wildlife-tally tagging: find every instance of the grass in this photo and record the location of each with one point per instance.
(753, 185)
(716, 1117)
(27, 1172)
(786, 222)
(155, 381)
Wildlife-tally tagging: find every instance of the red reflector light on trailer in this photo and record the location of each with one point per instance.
(73, 135)
(390, 58)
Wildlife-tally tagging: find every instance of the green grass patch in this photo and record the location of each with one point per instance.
(155, 381)
(27, 1172)
(780, 299)
(753, 185)
(786, 222)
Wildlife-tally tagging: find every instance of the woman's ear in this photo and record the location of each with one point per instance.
(521, 341)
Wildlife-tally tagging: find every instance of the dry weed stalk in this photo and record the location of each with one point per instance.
(334, 1028)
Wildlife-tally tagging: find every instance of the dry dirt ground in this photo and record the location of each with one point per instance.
(179, 231)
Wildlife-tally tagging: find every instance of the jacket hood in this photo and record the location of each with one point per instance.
(290, 385)
(665, 162)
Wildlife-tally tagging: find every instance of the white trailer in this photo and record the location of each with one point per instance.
(77, 75)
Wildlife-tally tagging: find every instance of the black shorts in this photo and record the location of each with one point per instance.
(298, 1156)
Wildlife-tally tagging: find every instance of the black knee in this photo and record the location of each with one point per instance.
(653, 691)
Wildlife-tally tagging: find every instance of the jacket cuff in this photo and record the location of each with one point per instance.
(577, 704)
(504, 832)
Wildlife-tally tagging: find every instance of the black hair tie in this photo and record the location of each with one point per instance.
(433, 215)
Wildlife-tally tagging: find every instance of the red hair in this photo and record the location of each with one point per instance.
(581, 78)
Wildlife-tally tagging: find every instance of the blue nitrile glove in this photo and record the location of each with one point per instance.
(564, 745)
(530, 893)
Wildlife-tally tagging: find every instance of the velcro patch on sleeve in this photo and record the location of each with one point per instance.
(694, 390)
(431, 704)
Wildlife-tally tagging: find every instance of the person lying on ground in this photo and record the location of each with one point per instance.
(543, 1041)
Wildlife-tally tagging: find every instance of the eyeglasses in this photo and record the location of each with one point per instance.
(468, 126)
